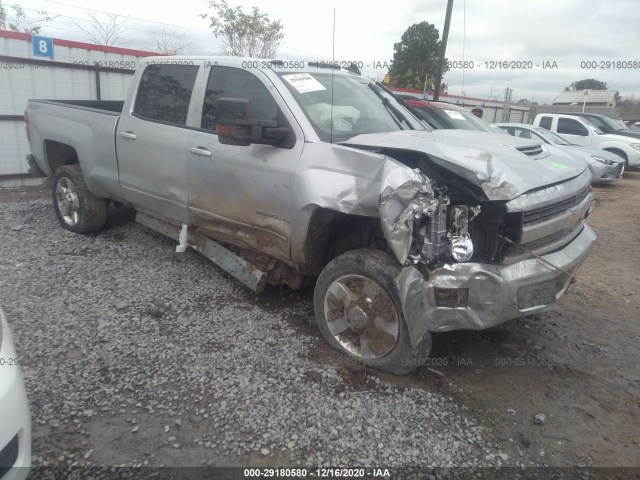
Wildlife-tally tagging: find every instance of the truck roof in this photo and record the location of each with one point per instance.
(274, 64)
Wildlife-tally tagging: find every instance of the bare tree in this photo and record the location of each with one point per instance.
(104, 28)
(16, 20)
(171, 42)
(244, 34)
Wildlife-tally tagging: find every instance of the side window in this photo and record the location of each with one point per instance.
(571, 127)
(164, 93)
(545, 122)
(523, 133)
(238, 83)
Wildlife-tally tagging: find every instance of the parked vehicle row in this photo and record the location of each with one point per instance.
(604, 166)
(580, 131)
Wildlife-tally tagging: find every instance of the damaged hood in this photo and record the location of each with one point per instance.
(490, 161)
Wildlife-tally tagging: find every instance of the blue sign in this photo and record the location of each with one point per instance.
(42, 46)
(425, 95)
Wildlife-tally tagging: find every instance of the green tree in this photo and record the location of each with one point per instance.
(244, 34)
(416, 55)
(14, 19)
(586, 84)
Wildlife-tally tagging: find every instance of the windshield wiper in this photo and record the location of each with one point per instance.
(391, 108)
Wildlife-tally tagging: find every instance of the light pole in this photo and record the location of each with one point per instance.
(584, 99)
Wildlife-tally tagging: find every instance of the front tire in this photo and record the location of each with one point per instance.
(358, 310)
(77, 209)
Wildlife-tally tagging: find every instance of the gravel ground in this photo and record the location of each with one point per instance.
(136, 355)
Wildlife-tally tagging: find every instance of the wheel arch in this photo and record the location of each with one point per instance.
(58, 154)
(331, 233)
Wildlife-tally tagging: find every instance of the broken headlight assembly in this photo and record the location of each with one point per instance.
(460, 244)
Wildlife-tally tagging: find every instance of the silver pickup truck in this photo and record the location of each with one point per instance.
(286, 173)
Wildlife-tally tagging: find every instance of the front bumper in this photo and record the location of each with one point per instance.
(15, 419)
(496, 293)
(602, 173)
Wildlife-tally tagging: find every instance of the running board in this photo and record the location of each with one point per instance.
(234, 265)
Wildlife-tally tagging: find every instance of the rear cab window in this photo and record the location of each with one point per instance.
(164, 93)
(545, 122)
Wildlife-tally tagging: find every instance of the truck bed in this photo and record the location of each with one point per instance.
(64, 131)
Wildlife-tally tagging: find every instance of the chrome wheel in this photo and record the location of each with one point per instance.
(68, 202)
(361, 316)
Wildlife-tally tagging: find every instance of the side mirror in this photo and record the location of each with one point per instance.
(236, 127)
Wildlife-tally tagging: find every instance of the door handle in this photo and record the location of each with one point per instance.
(130, 135)
(200, 151)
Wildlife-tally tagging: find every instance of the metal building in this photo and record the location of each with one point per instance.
(52, 68)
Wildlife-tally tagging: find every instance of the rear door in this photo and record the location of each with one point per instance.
(151, 142)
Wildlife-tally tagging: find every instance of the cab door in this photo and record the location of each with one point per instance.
(243, 194)
(151, 142)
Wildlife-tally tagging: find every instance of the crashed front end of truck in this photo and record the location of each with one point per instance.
(475, 251)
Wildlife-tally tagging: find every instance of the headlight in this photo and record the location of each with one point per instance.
(460, 216)
(636, 146)
(603, 160)
(459, 238)
(461, 248)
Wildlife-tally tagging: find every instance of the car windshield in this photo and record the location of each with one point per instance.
(448, 118)
(550, 136)
(619, 124)
(606, 123)
(342, 106)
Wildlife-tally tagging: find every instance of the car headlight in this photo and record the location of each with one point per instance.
(603, 160)
(460, 241)
(636, 146)
(461, 248)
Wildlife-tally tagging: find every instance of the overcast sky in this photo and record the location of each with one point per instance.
(566, 32)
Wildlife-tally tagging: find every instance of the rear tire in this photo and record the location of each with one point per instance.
(358, 310)
(77, 209)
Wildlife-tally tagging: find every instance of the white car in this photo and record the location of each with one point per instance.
(605, 166)
(15, 419)
(579, 131)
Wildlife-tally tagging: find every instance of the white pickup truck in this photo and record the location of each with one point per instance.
(579, 131)
(294, 172)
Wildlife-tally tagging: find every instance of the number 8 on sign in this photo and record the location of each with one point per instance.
(42, 46)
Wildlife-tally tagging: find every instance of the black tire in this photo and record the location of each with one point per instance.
(77, 209)
(361, 267)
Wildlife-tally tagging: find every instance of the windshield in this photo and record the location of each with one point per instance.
(619, 125)
(355, 106)
(607, 124)
(551, 137)
(446, 118)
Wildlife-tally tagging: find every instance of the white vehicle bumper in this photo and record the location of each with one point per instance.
(15, 419)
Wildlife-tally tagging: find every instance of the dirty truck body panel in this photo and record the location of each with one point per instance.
(481, 233)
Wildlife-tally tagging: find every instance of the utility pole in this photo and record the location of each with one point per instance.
(506, 106)
(443, 50)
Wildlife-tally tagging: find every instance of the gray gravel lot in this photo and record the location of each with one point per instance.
(136, 355)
